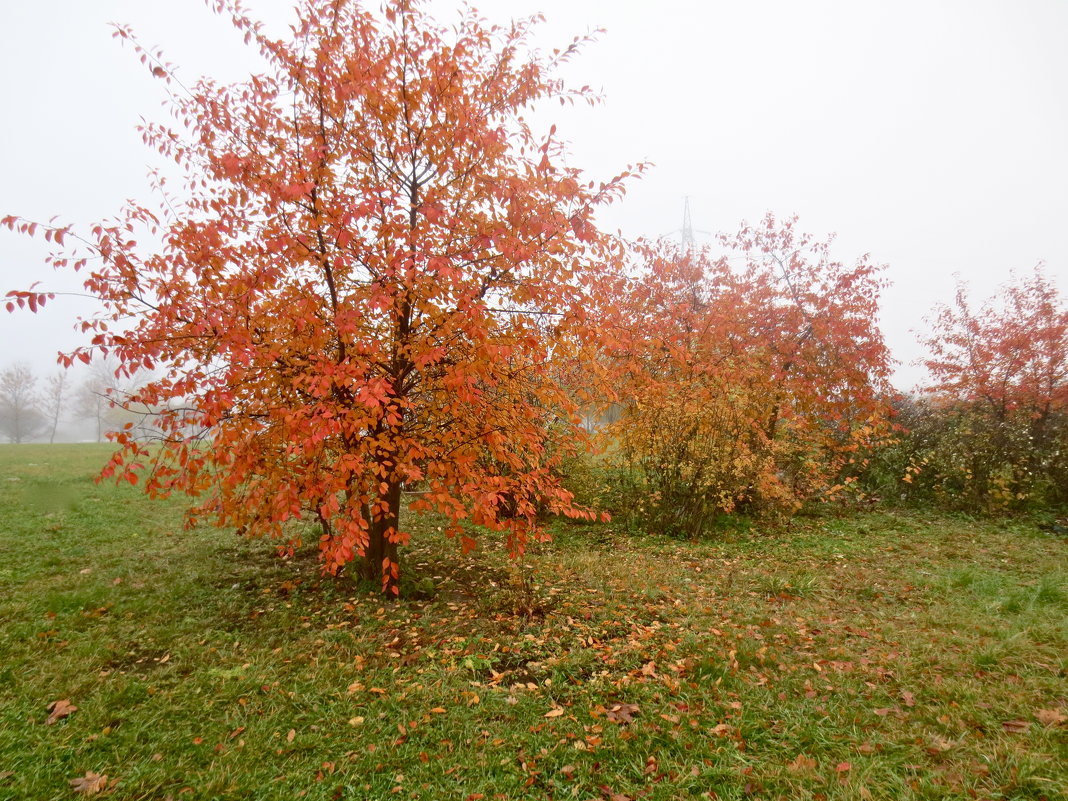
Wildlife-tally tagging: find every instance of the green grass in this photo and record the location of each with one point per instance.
(878, 657)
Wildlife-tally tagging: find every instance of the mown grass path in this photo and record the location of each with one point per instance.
(892, 656)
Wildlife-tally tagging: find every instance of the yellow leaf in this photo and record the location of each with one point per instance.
(554, 713)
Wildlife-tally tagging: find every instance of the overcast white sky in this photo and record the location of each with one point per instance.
(929, 133)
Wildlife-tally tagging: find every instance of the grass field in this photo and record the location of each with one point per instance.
(882, 656)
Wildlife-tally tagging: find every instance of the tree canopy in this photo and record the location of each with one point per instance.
(366, 284)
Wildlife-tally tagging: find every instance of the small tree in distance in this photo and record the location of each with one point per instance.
(376, 269)
(55, 395)
(20, 418)
(98, 395)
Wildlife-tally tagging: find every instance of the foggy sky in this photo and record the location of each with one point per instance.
(928, 133)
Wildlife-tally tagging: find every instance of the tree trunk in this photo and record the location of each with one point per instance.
(380, 561)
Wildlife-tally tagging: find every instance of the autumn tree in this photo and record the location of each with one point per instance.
(20, 417)
(365, 284)
(994, 430)
(751, 379)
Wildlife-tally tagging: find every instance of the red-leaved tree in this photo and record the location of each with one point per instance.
(748, 380)
(367, 283)
(996, 414)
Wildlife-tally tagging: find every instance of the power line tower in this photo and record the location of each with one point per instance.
(687, 225)
(686, 234)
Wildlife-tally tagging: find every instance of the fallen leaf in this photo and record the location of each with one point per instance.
(437, 711)
(908, 698)
(721, 729)
(802, 764)
(89, 784)
(57, 710)
(554, 713)
(939, 746)
(622, 713)
(1016, 726)
(291, 735)
(1051, 717)
(843, 767)
(356, 721)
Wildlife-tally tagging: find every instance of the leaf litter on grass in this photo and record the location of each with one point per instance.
(726, 677)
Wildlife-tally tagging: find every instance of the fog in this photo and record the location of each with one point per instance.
(928, 134)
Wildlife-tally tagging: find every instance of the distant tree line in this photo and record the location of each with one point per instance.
(36, 410)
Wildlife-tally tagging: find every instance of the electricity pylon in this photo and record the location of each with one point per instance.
(686, 234)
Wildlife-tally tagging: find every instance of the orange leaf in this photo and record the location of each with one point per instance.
(89, 784)
(1051, 717)
(57, 710)
(802, 764)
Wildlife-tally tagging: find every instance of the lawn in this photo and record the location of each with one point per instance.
(881, 655)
